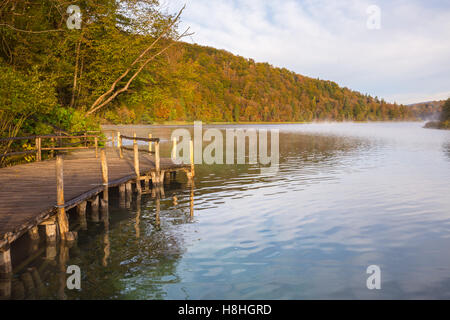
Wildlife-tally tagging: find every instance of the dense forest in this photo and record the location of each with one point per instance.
(128, 64)
(443, 120)
(430, 110)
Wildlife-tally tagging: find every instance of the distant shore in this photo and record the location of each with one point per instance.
(191, 123)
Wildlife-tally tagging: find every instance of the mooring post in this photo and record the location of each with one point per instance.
(34, 233)
(147, 183)
(136, 166)
(95, 203)
(150, 136)
(5, 261)
(122, 196)
(81, 211)
(129, 191)
(96, 146)
(51, 231)
(38, 149)
(62, 217)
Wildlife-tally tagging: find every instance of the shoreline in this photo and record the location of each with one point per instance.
(191, 123)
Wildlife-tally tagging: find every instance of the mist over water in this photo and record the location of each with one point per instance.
(346, 196)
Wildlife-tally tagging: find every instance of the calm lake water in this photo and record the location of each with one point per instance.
(346, 196)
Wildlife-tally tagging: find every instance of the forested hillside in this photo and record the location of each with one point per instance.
(213, 85)
(128, 64)
(430, 110)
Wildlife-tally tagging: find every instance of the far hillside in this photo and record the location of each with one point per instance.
(430, 110)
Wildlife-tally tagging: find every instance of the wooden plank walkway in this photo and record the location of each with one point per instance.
(28, 192)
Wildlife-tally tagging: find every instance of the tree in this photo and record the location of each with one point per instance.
(445, 115)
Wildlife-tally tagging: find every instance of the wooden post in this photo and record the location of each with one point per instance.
(150, 143)
(95, 203)
(104, 175)
(62, 218)
(136, 166)
(51, 231)
(129, 189)
(52, 152)
(96, 147)
(81, 211)
(5, 288)
(120, 144)
(122, 196)
(38, 149)
(191, 148)
(113, 143)
(5, 261)
(147, 183)
(157, 158)
(174, 148)
(34, 233)
(85, 139)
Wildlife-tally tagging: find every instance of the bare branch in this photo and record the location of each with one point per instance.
(125, 88)
(30, 31)
(113, 86)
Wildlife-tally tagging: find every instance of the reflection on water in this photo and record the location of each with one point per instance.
(346, 196)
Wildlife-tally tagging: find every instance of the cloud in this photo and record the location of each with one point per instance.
(408, 58)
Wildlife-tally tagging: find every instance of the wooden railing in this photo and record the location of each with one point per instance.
(86, 141)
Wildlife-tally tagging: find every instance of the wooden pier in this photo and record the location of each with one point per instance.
(38, 195)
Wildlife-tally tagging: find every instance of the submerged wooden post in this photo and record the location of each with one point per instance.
(129, 189)
(96, 147)
(136, 166)
(5, 261)
(62, 217)
(150, 143)
(95, 203)
(81, 211)
(38, 149)
(122, 196)
(34, 233)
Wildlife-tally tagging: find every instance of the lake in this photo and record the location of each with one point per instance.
(346, 196)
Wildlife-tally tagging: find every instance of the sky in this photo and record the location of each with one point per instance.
(401, 54)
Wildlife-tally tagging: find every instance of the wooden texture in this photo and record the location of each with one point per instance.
(63, 222)
(28, 191)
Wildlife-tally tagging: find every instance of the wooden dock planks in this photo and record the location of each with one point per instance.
(28, 192)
